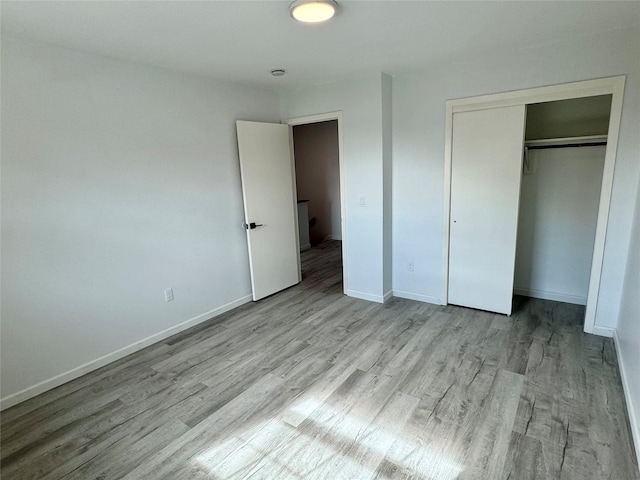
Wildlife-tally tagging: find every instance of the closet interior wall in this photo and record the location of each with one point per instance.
(559, 200)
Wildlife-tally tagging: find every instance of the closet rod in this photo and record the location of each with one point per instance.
(566, 145)
(566, 142)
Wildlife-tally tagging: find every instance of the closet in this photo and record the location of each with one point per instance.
(565, 145)
(528, 179)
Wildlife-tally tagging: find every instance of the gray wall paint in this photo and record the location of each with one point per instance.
(418, 149)
(628, 335)
(569, 118)
(360, 101)
(557, 223)
(118, 181)
(318, 176)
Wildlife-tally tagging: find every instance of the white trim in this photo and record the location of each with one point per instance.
(605, 202)
(305, 247)
(448, 144)
(387, 296)
(558, 297)
(370, 297)
(550, 93)
(333, 237)
(613, 86)
(324, 117)
(634, 418)
(416, 296)
(296, 219)
(92, 365)
(603, 331)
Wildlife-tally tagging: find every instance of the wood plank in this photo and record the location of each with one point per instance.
(172, 461)
(488, 451)
(525, 459)
(370, 445)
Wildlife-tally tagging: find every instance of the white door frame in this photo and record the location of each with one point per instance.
(613, 86)
(324, 117)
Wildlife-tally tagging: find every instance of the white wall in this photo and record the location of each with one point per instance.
(418, 149)
(360, 101)
(318, 176)
(118, 181)
(628, 332)
(557, 223)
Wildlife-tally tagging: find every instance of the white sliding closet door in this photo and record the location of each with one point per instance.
(486, 166)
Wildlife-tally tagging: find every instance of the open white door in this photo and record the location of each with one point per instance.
(268, 189)
(486, 166)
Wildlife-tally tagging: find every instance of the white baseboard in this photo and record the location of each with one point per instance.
(603, 331)
(558, 297)
(416, 296)
(634, 418)
(333, 237)
(305, 247)
(392, 293)
(365, 296)
(74, 373)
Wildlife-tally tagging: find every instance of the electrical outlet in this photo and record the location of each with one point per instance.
(168, 294)
(363, 201)
(410, 266)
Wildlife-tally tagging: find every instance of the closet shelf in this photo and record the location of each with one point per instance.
(567, 141)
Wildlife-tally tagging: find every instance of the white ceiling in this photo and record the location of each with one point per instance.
(241, 41)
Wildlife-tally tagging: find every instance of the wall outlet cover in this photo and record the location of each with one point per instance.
(168, 294)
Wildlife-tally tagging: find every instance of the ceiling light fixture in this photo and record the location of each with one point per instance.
(312, 11)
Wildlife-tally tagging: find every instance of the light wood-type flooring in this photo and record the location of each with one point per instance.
(311, 384)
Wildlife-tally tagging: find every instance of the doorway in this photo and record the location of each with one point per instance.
(317, 151)
(613, 86)
(565, 146)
